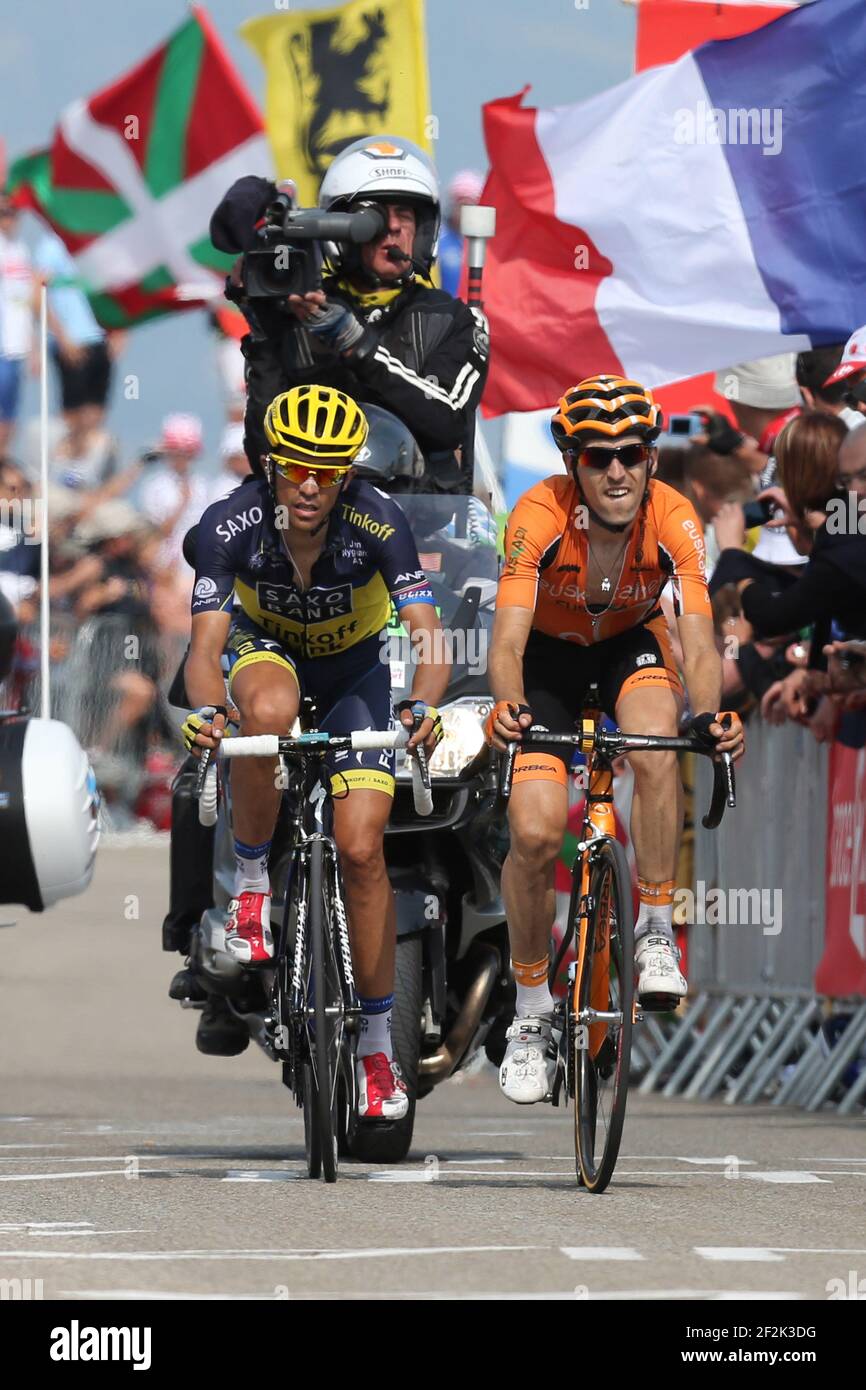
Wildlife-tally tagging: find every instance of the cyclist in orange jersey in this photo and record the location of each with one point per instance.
(587, 557)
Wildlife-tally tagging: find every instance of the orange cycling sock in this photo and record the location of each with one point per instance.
(656, 894)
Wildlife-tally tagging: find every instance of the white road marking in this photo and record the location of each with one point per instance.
(728, 1158)
(599, 1252)
(384, 1253)
(121, 1231)
(784, 1175)
(816, 1250)
(44, 1225)
(465, 1162)
(54, 1177)
(265, 1175)
(427, 1174)
(92, 1158)
(159, 1296)
(756, 1253)
(32, 1146)
(495, 1296)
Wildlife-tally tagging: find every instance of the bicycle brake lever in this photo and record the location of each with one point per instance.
(419, 752)
(730, 778)
(203, 764)
(506, 769)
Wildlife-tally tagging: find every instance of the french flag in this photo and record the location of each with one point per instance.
(706, 212)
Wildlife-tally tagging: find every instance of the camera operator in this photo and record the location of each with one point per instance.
(368, 320)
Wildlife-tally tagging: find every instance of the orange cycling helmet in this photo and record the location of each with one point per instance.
(605, 407)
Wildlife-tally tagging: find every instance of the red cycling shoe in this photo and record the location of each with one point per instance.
(382, 1093)
(248, 928)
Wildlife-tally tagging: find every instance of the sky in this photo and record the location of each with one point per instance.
(53, 52)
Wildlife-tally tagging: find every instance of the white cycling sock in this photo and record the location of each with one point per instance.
(656, 920)
(375, 1031)
(534, 1001)
(251, 868)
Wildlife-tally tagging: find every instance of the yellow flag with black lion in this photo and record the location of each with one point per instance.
(335, 75)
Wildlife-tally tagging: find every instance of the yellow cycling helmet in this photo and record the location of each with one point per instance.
(315, 423)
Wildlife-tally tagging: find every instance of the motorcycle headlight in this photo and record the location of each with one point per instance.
(463, 725)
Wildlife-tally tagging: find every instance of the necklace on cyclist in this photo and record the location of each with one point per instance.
(605, 578)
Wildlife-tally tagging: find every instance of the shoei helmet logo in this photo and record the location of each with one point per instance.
(647, 659)
(362, 455)
(205, 588)
(383, 149)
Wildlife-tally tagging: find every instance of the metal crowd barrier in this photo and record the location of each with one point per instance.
(754, 1029)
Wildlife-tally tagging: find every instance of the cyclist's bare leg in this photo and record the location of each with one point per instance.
(359, 829)
(656, 827)
(266, 695)
(657, 804)
(537, 816)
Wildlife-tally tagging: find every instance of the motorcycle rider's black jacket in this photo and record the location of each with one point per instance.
(423, 356)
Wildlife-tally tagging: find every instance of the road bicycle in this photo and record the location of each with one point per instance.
(600, 1010)
(314, 1011)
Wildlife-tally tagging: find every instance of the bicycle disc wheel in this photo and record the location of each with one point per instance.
(602, 1046)
(327, 1033)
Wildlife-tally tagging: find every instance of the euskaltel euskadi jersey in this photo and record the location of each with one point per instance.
(369, 559)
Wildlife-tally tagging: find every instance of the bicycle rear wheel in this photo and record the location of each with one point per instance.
(326, 1030)
(602, 1046)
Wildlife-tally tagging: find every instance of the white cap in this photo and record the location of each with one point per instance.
(768, 384)
(853, 358)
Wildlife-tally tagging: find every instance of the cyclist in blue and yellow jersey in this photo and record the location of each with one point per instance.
(314, 557)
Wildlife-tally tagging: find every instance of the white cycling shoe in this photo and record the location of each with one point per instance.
(661, 984)
(529, 1065)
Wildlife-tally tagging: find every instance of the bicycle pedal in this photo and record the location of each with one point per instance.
(660, 1003)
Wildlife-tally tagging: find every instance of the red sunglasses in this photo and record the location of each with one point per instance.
(298, 473)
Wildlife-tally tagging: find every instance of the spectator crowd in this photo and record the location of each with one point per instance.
(781, 491)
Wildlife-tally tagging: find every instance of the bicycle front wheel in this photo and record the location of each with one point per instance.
(602, 1018)
(326, 1027)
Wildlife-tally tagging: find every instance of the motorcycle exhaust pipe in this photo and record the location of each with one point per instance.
(442, 1063)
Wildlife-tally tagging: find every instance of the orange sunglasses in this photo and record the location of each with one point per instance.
(298, 473)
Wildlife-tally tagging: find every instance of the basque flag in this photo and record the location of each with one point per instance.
(703, 213)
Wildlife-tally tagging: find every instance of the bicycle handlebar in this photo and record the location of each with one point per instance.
(613, 743)
(365, 740)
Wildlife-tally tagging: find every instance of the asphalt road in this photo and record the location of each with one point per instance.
(133, 1167)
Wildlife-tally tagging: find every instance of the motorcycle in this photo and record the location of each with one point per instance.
(453, 992)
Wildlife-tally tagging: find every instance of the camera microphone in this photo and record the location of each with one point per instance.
(397, 256)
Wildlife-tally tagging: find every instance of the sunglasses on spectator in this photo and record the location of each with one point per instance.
(325, 475)
(844, 481)
(599, 459)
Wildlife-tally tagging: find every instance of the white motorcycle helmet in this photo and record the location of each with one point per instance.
(383, 168)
